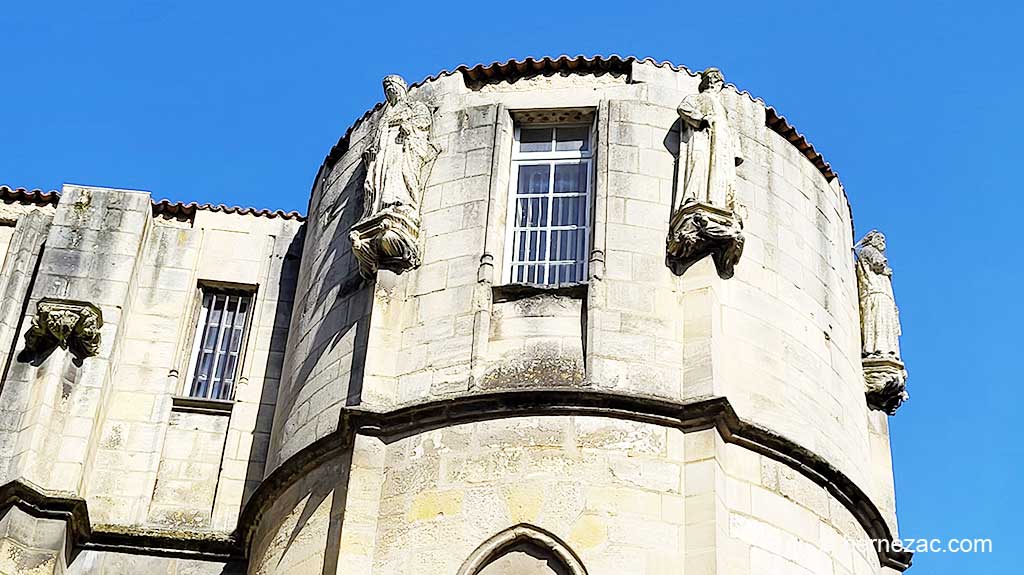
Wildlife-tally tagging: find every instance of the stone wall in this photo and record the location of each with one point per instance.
(779, 341)
(113, 430)
(440, 420)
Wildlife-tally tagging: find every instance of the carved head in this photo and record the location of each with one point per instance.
(711, 79)
(61, 324)
(395, 88)
(875, 239)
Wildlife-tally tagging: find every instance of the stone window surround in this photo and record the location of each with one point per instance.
(188, 348)
(570, 119)
(500, 199)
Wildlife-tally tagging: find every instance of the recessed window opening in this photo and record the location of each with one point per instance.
(551, 188)
(218, 343)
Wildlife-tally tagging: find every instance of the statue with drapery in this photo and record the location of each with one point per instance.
(884, 372)
(398, 159)
(705, 222)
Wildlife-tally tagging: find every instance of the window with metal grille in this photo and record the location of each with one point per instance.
(217, 346)
(549, 204)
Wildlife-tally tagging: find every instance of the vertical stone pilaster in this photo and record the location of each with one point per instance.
(91, 252)
(16, 277)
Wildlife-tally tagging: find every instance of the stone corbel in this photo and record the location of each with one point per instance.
(71, 325)
(697, 230)
(390, 240)
(885, 380)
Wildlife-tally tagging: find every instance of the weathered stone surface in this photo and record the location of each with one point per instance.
(398, 161)
(74, 326)
(884, 373)
(886, 381)
(639, 423)
(699, 230)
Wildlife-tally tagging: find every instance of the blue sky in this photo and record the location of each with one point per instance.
(915, 104)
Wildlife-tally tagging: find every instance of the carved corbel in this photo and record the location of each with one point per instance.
(398, 161)
(885, 382)
(71, 325)
(698, 230)
(387, 240)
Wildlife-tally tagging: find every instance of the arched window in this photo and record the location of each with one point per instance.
(523, 550)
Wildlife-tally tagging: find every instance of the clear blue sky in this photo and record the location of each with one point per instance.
(915, 104)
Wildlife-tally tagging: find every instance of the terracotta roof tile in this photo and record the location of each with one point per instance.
(24, 196)
(162, 207)
(781, 126)
(512, 70)
(180, 209)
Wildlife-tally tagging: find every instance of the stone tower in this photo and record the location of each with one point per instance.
(550, 317)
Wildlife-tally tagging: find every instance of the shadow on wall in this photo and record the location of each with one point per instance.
(306, 528)
(287, 285)
(334, 285)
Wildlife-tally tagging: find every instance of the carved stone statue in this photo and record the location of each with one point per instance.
(884, 372)
(713, 150)
(706, 223)
(70, 325)
(398, 161)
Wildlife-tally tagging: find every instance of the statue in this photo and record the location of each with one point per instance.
(70, 325)
(398, 161)
(706, 222)
(713, 151)
(884, 372)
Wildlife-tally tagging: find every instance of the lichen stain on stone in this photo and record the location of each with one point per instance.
(524, 503)
(626, 436)
(21, 561)
(589, 531)
(545, 368)
(432, 504)
(188, 518)
(113, 439)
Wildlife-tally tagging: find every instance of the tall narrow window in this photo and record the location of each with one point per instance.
(217, 346)
(549, 231)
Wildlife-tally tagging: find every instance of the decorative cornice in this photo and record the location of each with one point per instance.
(409, 420)
(693, 416)
(73, 510)
(165, 208)
(206, 546)
(41, 503)
(781, 126)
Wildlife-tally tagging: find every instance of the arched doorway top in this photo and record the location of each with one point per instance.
(516, 535)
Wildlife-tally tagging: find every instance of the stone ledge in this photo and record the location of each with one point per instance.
(202, 405)
(40, 503)
(206, 546)
(700, 414)
(517, 291)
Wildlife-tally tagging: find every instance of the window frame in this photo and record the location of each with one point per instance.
(198, 329)
(549, 158)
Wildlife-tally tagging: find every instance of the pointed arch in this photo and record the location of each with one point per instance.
(517, 535)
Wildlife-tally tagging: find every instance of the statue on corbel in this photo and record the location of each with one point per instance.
(398, 161)
(71, 325)
(705, 222)
(885, 375)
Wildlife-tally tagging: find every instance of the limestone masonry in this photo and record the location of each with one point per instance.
(566, 316)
